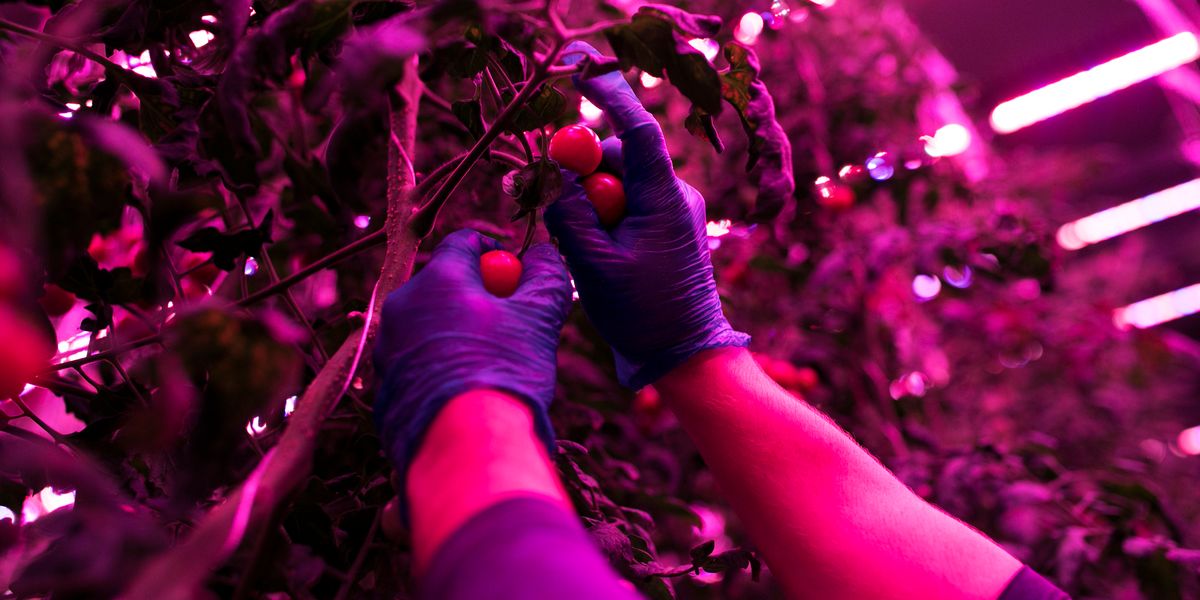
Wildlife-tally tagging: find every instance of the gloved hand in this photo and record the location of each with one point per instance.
(443, 334)
(647, 284)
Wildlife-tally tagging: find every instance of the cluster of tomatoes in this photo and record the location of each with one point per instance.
(577, 148)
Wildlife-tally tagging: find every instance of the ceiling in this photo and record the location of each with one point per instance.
(1004, 49)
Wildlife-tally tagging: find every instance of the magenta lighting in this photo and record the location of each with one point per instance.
(1159, 309)
(1096, 82)
(1129, 216)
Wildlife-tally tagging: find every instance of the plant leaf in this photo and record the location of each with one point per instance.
(226, 248)
(656, 41)
(770, 159)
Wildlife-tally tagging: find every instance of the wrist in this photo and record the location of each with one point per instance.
(709, 365)
(720, 336)
(480, 450)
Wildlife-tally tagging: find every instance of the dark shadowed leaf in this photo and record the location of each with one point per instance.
(533, 186)
(125, 144)
(770, 160)
(700, 124)
(700, 553)
(356, 157)
(81, 191)
(226, 248)
(470, 114)
(656, 41)
(546, 105)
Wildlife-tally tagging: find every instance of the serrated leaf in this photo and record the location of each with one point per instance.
(700, 124)
(544, 107)
(533, 186)
(470, 114)
(770, 152)
(226, 248)
(656, 41)
(80, 190)
(701, 552)
(88, 281)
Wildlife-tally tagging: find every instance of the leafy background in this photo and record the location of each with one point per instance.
(157, 190)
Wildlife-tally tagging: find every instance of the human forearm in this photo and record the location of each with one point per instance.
(479, 451)
(829, 519)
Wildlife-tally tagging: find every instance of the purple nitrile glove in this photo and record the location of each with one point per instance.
(647, 284)
(442, 334)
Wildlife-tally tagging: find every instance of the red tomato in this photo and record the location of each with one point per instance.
(57, 301)
(647, 401)
(834, 196)
(23, 354)
(577, 148)
(501, 272)
(807, 378)
(608, 196)
(391, 521)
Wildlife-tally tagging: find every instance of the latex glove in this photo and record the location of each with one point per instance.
(647, 284)
(443, 334)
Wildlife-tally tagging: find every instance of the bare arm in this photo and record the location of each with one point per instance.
(829, 519)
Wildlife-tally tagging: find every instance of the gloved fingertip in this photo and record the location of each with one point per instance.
(545, 276)
(613, 161)
(576, 50)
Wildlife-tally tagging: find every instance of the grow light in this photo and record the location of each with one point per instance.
(1129, 216)
(1096, 82)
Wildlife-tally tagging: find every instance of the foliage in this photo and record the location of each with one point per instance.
(226, 174)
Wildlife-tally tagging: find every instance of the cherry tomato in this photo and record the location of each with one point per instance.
(833, 195)
(807, 378)
(56, 301)
(577, 148)
(607, 195)
(647, 401)
(391, 521)
(24, 353)
(501, 272)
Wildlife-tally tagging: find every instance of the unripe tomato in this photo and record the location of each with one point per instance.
(56, 301)
(23, 354)
(391, 521)
(607, 194)
(577, 148)
(501, 272)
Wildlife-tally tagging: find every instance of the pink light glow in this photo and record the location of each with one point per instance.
(1159, 309)
(1189, 441)
(1129, 216)
(590, 112)
(949, 140)
(649, 81)
(749, 28)
(719, 228)
(709, 48)
(45, 502)
(1099, 81)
